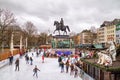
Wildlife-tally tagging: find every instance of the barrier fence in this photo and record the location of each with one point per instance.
(83, 75)
(7, 53)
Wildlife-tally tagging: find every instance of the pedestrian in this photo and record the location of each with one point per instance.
(35, 70)
(17, 64)
(31, 61)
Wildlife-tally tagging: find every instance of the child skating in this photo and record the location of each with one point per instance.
(42, 58)
(35, 70)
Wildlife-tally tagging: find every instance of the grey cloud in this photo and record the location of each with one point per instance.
(77, 14)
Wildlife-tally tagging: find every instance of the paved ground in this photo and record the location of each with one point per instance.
(49, 71)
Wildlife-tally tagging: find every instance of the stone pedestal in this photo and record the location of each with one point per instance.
(62, 41)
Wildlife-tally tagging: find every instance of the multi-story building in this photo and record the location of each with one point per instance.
(111, 36)
(111, 30)
(101, 33)
(87, 37)
(107, 31)
(77, 39)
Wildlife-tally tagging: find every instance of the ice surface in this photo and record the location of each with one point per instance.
(48, 70)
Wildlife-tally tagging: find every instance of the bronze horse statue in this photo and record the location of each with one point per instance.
(60, 28)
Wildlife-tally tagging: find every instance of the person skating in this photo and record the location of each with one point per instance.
(62, 66)
(67, 65)
(35, 70)
(71, 69)
(32, 54)
(10, 60)
(17, 64)
(42, 58)
(27, 59)
(31, 61)
(59, 60)
(76, 72)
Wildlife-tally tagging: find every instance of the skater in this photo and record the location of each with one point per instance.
(42, 58)
(32, 54)
(62, 66)
(27, 59)
(17, 64)
(67, 65)
(37, 54)
(35, 71)
(10, 60)
(59, 60)
(71, 69)
(76, 72)
(31, 61)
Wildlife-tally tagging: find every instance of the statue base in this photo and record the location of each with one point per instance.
(62, 36)
(62, 41)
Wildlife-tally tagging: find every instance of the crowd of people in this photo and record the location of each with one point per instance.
(70, 63)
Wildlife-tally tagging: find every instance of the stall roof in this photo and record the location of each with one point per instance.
(98, 46)
(45, 46)
(92, 46)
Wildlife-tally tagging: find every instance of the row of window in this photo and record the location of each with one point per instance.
(117, 35)
(117, 27)
(101, 40)
(110, 27)
(101, 33)
(118, 41)
(111, 31)
(110, 36)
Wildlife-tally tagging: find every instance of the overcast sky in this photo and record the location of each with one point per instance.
(77, 14)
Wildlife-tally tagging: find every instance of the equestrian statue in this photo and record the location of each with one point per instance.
(61, 27)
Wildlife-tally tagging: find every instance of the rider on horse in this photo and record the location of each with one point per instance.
(61, 23)
(60, 26)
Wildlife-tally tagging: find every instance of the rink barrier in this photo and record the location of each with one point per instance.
(6, 54)
(83, 75)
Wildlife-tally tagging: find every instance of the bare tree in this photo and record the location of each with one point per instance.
(30, 28)
(30, 32)
(43, 38)
(6, 19)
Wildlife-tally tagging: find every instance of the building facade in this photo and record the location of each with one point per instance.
(111, 36)
(101, 35)
(108, 31)
(87, 37)
(118, 33)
